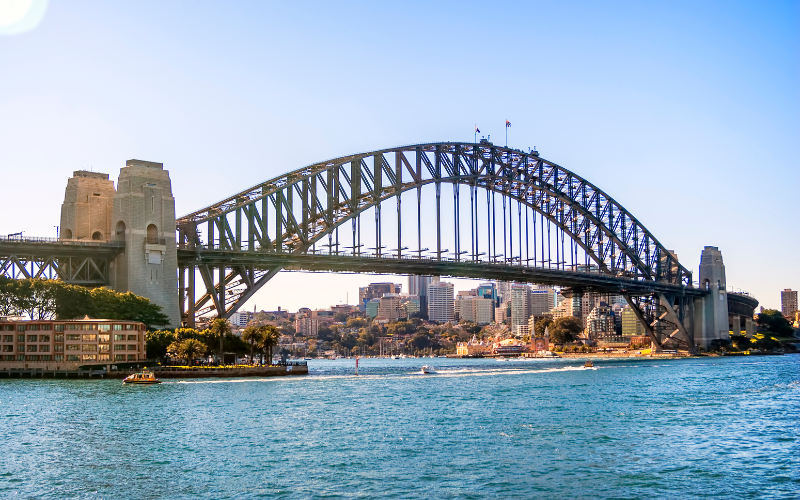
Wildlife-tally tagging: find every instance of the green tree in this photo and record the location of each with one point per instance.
(740, 342)
(269, 339)
(190, 349)
(564, 329)
(158, 342)
(539, 326)
(219, 329)
(252, 335)
(773, 321)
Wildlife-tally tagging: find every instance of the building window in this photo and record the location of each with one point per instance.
(104, 357)
(117, 327)
(131, 347)
(104, 348)
(33, 327)
(32, 338)
(88, 327)
(73, 357)
(131, 357)
(20, 338)
(58, 348)
(72, 326)
(21, 348)
(133, 338)
(119, 357)
(119, 347)
(32, 358)
(20, 328)
(104, 328)
(59, 327)
(73, 336)
(129, 327)
(90, 357)
(48, 326)
(87, 337)
(8, 348)
(44, 348)
(59, 337)
(8, 338)
(118, 337)
(20, 357)
(31, 348)
(73, 347)
(58, 357)
(104, 338)
(44, 338)
(89, 348)
(45, 358)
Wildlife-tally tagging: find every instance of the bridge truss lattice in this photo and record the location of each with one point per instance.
(508, 215)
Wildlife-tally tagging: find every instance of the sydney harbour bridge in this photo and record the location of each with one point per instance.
(448, 209)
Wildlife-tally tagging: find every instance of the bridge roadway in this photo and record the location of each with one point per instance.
(79, 262)
(576, 280)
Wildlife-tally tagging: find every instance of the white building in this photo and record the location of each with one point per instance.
(440, 302)
(520, 305)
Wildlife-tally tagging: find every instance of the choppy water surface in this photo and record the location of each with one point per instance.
(476, 429)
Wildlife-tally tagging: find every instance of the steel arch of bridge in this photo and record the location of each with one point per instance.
(240, 243)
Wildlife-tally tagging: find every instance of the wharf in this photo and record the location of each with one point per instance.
(290, 368)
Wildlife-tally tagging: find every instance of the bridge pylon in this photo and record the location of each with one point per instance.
(711, 310)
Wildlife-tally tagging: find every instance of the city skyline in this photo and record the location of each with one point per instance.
(679, 93)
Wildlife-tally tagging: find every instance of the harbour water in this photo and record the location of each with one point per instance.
(695, 428)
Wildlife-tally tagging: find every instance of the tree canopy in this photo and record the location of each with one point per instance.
(564, 330)
(775, 322)
(41, 299)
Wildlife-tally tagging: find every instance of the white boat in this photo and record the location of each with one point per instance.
(426, 370)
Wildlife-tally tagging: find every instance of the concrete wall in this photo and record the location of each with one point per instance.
(87, 209)
(711, 311)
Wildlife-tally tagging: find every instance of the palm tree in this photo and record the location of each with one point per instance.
(269, 339)
(220, 328)
(190, 349)
(252, 335)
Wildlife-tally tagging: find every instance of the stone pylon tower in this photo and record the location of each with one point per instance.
(711, 311)
(88, 203)
(144, 217)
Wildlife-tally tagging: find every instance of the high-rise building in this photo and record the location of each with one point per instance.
(418, 285)
(488, 291)
(440, 301)
(376, 291)
(372, 307)
(520, 305)
(542, 299)
(389, 307)
(478, 310)
(788, 302)
(600, 322)
(631, 326)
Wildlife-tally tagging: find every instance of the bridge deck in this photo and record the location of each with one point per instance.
(597, 282)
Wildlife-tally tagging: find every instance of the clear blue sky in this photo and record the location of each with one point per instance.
(688, 113)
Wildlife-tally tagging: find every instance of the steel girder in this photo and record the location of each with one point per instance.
(75, 262)
(295, 212)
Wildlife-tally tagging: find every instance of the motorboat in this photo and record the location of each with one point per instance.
(588, 364)
(143, 378)
(426, 370)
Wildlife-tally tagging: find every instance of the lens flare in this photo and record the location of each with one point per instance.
(19, 16)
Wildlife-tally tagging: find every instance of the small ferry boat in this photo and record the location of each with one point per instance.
(426, 370)
(142, 378)
(588, 364)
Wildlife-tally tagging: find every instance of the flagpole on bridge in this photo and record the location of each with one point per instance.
(508, 124)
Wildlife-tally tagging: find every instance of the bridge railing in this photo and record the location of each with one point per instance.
(61, 241)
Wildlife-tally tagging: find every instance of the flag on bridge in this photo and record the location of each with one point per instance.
(477, 130)
(508, 123)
